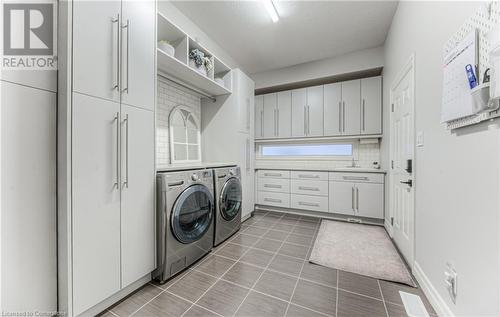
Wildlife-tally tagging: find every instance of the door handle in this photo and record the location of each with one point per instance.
(127, 26)
(113, 21)
(408, 182)
(125, 121)
(340, 116)
(117, 180)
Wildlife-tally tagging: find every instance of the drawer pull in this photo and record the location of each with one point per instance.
(272, 200)
(273, 174)
(355, 178)
(303, 203)
(272, 186)
(314, 189)
(308, 176)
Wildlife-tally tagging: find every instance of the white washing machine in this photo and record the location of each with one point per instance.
(228, 200)
(185, 230)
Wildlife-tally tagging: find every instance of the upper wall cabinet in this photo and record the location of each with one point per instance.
(350, 108)
(371, 105)
(174, 47)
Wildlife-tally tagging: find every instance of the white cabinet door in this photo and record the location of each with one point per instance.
(299, 99)
(333, 109)
(371, 105)
(341, 198)
(270, 115)
(351, 103)
(96, 52)
(96, 200)
(370, 200)
(284, 114)
(138, 192)
(315, 111)
(259, 116)
(138, 47)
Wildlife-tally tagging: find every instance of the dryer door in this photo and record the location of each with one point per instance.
(192, 214)
(230, 199)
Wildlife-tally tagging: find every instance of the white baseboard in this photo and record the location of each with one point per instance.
(432, 294)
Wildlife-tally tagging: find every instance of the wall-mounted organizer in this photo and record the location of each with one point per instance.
(482, 21)
(173, 49)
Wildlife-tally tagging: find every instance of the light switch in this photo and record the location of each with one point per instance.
(420, 138)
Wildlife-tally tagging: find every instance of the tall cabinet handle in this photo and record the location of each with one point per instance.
(117, 120)
(127, 26)
(125, 182)
(247, 163)
(248, 115)
(352, 198)
(113, 21)
(357, 199)
(343, 116)
(363, 114)
(340, 116)
(277, 122)
(274, 113)
(308, 121)
(305, 121)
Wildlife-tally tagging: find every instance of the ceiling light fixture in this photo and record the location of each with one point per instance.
(271, 9)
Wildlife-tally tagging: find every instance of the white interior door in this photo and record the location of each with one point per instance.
(96, 201)
(269, 116)
(138, 51)
(402, 192)
(138, 192)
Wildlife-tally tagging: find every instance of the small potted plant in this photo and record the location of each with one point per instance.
(166, 47)
(200, 62)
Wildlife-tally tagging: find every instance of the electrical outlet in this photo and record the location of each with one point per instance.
(451, 279)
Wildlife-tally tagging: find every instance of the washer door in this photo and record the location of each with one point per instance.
(192, 214)
(230, 199)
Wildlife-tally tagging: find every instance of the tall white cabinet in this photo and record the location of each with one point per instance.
(222, 137)
(106, 141)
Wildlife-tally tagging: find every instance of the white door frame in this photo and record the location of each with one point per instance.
(409, 67)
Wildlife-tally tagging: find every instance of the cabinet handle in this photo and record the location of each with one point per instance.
(277, 122)
(272, 186)
(314, 189)
(357, 199)
(127, 26)
(273, 174)
(116, 119)
(363, 114)
(305, 121)
(343, 116)
(247, 163)
(355, 178)
(308, 176)
(125, 183)
(113, 21)
(308, 121)
(248, 115)
(340, 116)
(352, 198)
(272, 200)
(303, 203)
(262, 123)
(275, 116)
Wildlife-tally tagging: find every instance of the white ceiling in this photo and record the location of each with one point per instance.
(306, 31)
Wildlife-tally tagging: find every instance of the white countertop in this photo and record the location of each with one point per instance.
(191, 166)
(314, 167)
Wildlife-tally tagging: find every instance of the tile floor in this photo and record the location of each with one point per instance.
(263, 271)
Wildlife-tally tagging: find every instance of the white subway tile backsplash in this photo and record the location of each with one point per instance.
(171, 95)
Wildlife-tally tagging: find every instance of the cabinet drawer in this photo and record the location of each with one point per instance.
(309, 187)
(274, 199)
(274, 185)
(357, 177)
(316, 203)
(273, 174)
(320, 176)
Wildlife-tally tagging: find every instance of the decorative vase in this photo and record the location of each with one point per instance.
(167, 48)
(200, 69)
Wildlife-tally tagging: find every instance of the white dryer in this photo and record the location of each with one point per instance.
(228, 201)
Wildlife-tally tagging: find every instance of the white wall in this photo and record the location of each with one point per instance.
(457, 174)
(174, 15)
(352, 62)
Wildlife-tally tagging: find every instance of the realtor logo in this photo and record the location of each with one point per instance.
(28, 35)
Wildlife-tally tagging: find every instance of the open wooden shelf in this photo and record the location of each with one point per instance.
(177, 66)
